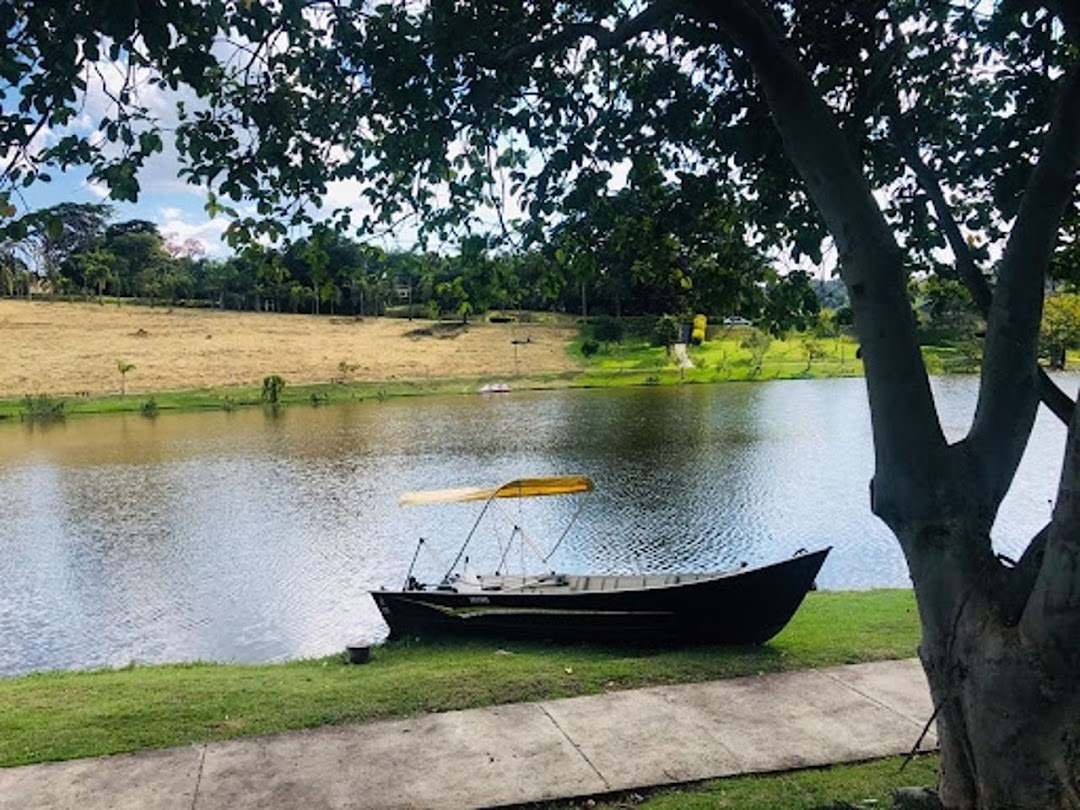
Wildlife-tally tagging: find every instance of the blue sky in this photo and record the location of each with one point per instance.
(177, 207)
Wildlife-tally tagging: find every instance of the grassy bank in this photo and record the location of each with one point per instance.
(864, 785)
(729, 356)
(724, 357)
(68, 715)
(614, 366)
(185, 360)
(227, 398)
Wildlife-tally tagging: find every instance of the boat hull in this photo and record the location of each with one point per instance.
(748, 606)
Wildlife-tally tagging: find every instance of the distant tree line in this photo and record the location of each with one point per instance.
(661, 250)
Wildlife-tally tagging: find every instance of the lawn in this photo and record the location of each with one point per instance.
(66, 715)
(866, 785)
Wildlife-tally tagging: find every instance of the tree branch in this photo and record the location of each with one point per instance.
(907, 435)
(605, 38)
(1018, 582)
(1069, 14)
(1059, 403)
(1051, 616)
(1008, 395)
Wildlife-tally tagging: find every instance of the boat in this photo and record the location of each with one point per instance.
(747, 605)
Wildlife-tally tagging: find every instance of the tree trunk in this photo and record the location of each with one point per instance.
(1008, 734)
(1001, 647)
(999, 643)
(1008, 715)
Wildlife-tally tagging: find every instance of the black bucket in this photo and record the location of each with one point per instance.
(358, 653)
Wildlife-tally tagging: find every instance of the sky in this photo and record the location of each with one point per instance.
(176, 206)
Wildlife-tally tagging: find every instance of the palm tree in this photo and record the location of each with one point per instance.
(123, 366)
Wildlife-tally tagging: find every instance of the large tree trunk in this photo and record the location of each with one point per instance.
(1000, 649)
(1007, 730)
(1008, 711)
(1000, 646)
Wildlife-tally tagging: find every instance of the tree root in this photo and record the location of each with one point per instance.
(916, 798)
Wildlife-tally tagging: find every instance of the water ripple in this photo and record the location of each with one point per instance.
(251, 536)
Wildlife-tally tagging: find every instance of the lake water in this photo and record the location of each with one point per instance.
(255, 536)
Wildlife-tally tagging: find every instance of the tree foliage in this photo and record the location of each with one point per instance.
(920, 136)
(1060, 328)
(660, 246)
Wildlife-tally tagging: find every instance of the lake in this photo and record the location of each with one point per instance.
(255, 536)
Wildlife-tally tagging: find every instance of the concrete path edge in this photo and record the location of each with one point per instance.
(518, 753)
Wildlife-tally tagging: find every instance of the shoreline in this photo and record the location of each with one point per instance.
(228, 398)
(196, 360)
(72, 714)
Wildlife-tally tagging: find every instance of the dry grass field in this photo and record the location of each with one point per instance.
(61, 348)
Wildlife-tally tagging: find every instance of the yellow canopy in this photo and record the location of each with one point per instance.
(521, 488)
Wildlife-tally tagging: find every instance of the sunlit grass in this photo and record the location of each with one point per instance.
(864, 785)
(71, 714)
(633, 362)
(724, 357)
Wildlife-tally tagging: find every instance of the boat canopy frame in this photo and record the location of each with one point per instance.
(517, 488)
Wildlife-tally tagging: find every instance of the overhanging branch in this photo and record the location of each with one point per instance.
(1009, 394)
(1069, 14)
(907, 433)
(1059, 403)
(605, 38)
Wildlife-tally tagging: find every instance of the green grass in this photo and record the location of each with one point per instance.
(67, 715)
(865, 785)
(631, 363)
(720, 359)
(230, 398)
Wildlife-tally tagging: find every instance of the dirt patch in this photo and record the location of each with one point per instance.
(438, 330)
(55, 348)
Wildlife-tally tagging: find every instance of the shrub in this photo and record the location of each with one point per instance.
(271, 389)
(758, 343)
(123, 366)
(608, 330)
(665, 331)
(697, 335)
(1060, 329)
(42, 408)
(590, 347)
(149, 408)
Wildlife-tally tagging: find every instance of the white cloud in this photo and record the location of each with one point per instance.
(178, 225)
(96, 189)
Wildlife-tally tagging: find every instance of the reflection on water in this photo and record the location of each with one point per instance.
(253, 536)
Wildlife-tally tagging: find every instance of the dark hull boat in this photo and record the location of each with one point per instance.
(744, 606)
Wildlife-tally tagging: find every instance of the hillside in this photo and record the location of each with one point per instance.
(73, 349)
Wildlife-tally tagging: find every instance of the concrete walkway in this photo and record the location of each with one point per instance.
(517, 753)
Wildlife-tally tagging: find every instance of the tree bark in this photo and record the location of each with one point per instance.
(999, 645)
